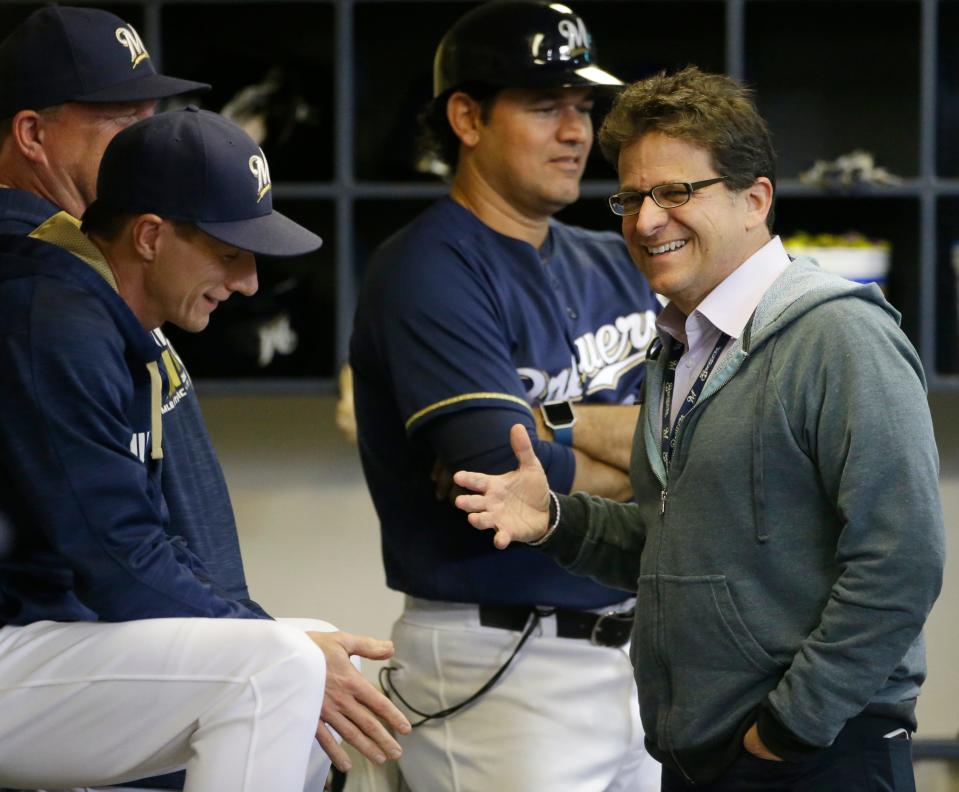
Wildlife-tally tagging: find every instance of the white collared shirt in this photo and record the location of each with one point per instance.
(726, 309)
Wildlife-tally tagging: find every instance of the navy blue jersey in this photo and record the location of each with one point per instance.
(193, 484)
(79, 484)
(456, 318)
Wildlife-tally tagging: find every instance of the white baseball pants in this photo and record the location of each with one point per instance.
(236, 702)
(564, 717)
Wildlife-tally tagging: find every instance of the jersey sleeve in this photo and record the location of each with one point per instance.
(444, 339)
(479, 440)
(434, 329)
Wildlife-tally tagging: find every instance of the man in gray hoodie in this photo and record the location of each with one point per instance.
(786, 543)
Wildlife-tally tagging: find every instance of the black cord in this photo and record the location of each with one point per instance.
(386, 679)
(337, 780)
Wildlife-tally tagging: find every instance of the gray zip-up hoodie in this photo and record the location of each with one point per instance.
(785, 566)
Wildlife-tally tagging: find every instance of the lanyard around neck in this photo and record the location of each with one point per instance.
(670, 431)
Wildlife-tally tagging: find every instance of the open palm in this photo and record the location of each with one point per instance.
(514, 504)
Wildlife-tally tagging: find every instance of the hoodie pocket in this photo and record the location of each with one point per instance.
(717, 670)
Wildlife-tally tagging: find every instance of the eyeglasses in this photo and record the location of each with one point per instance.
(665, 196)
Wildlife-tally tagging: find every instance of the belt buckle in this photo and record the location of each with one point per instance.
(595, 635)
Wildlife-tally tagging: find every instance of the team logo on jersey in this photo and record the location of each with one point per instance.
(576, 36)
(261, 170)
(130, 39)
(602, 358)
(178, 378)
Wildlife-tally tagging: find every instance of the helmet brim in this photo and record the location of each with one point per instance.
(582, 77)
(545, 78)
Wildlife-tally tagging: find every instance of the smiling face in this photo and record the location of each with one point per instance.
(532, 148)
(192, 274)
(685, 252)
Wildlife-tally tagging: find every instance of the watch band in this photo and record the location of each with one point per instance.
(564, 436)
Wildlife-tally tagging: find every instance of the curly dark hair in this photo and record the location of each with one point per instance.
(712, 110)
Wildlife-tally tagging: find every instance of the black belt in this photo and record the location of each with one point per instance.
(601, 629)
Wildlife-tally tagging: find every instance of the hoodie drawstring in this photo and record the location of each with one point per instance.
(156, 414)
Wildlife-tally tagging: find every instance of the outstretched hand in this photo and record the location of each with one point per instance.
(351, 705)
(514, 504)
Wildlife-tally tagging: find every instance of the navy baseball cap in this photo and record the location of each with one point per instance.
(68, 54)
(198, 167)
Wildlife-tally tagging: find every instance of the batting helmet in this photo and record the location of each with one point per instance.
(518, 44)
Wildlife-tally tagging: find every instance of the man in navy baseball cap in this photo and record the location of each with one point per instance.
(181, 186)
(70, 79)
(197, 167)
(99, 558)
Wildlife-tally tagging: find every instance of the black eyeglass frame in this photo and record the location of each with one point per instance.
(690, 187)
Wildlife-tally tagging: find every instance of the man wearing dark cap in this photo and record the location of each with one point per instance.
(481, 313)
(71, 79)
(121, 655)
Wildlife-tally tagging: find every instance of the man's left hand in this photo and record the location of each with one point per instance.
(755, 746)
(352, 705)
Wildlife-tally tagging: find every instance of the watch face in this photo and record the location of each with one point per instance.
(558, 414)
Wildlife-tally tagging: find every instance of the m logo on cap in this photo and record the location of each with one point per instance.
(261, 170)
(130, 39)
(575, 34)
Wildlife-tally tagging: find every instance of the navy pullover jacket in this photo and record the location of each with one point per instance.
(82, 473)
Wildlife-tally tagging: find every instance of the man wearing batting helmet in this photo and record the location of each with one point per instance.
(486, 311)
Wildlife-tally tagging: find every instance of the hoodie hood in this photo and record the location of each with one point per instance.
(804, 286)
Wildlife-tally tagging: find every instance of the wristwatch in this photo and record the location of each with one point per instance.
(559, 416)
